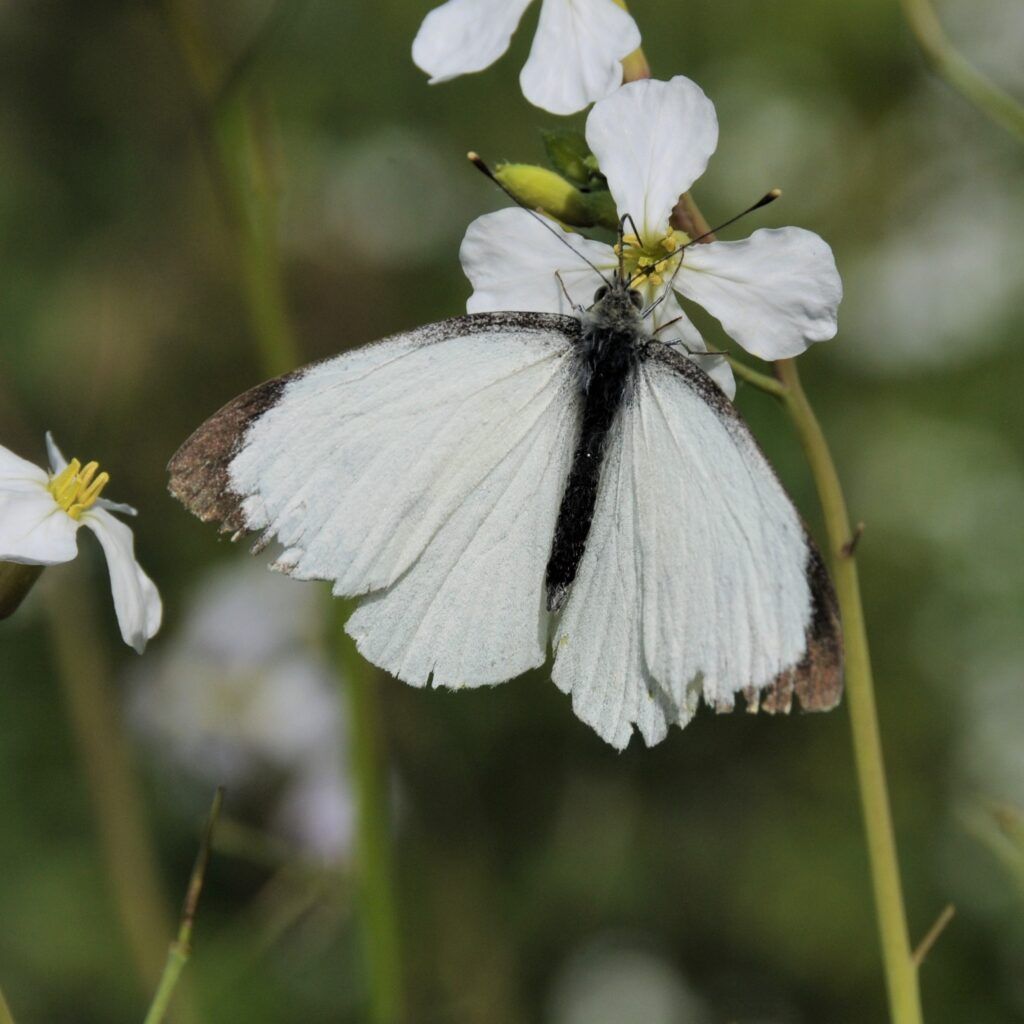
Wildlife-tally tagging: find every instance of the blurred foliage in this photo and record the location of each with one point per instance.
(731, 855)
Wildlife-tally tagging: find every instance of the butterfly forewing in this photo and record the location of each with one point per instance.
(425, 470)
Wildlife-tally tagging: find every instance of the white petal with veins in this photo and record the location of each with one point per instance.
(652, 141)
(136, 600)
(775, 292)
(511, 261)
(34, 529)
(577, 53)
(463, 36)
(18, 474)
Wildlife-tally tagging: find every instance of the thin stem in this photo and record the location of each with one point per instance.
(761, 381)
(998, 105)
(242, 174)
(924, 947)
(634, 66)
(16, 580)
(374, 869)
(6, 1017)
(181, 948)
(126, 845)
(900, 969)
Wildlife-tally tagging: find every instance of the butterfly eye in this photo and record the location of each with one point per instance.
(601, 293)
(636, 298)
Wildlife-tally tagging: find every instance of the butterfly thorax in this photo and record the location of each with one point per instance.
(612, 343)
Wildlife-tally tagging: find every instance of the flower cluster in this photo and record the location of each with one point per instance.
(774, 293)
(576, 55)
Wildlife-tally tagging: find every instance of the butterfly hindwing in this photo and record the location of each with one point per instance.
(698, 565)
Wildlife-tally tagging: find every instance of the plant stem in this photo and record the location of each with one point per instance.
(761, 381)
(374, 869)
(181, 948)
(242, 174)
(900, 969)
(127, 848)
(6, 1017)
(16, 580)
(999, 106)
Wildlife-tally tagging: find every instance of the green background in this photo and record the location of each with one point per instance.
(537, 866)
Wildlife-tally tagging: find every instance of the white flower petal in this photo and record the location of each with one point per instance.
(34, 529)
(56, 456)
(511, 260)
(18, 474)
(652, 140)
(117, 506)
(463, 36)
(576, 54)
(136, 600)
(774, 293)
(669, 323)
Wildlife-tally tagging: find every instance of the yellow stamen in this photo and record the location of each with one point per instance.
(75, 489)
(638, 255)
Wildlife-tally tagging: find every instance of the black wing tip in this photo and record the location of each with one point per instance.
(199, 469)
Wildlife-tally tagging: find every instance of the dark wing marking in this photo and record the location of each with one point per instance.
(199, 476)
(199, 468)
(817, 680)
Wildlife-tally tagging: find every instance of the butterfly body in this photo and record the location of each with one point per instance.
(612, 341)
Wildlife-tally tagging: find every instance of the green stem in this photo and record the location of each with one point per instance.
(761, 381)
(900, 969)
(16, 580)
(181, 948)
(6, 1017)
(95, 723)
(242, 173)
(127, 848)
(374, 869)
(999, 106)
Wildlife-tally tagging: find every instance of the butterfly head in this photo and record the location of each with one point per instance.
(617, 301)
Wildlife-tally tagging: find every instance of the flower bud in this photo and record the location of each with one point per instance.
(541, 189)
(16, 580)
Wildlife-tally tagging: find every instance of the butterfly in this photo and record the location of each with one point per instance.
(496, 483)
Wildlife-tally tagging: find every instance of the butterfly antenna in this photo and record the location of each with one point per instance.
(477, 162)
(768, 197)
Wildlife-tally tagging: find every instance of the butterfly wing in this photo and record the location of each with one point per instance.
(699, 578)
(424, 471)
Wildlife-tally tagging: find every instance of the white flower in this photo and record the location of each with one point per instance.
(576, 54)
(774, 293)
(40, 513)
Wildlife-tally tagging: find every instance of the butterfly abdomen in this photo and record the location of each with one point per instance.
(607, 365)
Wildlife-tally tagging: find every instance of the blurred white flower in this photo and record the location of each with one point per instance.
(40, 514)
(242, 696)
(774, 293)
(576, 54)
(608, 982)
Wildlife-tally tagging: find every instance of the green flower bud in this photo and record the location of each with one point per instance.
(541, 189)
(16, 580)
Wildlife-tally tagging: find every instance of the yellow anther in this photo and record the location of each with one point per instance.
(76, 489)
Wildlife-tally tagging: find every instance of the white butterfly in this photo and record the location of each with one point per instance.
(497, 481)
